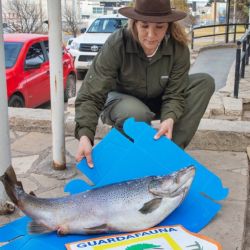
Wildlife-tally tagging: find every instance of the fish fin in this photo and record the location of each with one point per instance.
(150, 206)
(98, 229)
(62, 230)
(38, 228)
(32, 193)
(9, 181)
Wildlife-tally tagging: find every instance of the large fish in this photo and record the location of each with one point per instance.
(121, 207)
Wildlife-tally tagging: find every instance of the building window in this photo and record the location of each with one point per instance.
(97, 10)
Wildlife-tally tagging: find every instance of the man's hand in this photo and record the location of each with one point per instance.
(84, 150)
(166, 128)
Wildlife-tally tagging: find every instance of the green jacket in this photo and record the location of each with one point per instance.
(121, 65)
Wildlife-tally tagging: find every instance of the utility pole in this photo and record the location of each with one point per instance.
(228, 20)
(5, 154)
(234, 17)
(41, 11)
(248, 18)
(56, 84)
(215, 14)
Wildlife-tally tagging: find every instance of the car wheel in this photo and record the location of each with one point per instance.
(16, 101)
(80, 74)
(70, 90)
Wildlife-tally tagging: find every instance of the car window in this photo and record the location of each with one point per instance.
(35, 55)
(70, 41)
(11, 50)
(46, 44)
(106, 25)
(124, 22)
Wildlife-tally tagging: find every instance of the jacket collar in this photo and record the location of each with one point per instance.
(167, 45)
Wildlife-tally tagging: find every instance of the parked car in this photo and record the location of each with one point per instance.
(69, 42)
(85, 47)
(27, 70)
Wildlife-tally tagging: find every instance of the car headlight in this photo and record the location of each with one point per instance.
(75, 45)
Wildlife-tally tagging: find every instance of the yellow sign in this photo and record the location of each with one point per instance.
(165, 238)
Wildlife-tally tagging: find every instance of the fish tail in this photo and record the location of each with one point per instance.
(10, 183)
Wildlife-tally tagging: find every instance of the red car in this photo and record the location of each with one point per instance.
(27, 70)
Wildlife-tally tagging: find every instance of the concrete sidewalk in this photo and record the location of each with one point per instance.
(216, 62)
(31, 152)
(220, 144)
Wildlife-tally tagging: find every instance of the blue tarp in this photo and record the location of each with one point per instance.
(116, 159)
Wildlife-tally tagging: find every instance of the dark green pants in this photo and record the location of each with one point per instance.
(119, 107)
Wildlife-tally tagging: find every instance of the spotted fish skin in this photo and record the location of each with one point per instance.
(120, 207)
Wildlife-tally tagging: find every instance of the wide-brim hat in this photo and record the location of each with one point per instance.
(155, 11)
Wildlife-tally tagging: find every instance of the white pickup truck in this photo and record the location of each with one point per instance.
(86, 46)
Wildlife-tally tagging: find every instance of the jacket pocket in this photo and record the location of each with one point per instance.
(163, 81)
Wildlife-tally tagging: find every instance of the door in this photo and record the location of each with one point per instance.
(37, 76)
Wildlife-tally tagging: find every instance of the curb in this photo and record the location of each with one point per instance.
(212, 134)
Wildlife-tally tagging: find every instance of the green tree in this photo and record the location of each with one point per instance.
(180, 5)
(209, 2)
(241, 14)
(238, 7)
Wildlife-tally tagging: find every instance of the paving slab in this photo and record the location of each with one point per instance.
(228, 227)
(221, 160)
(32, 143)
(71, 145)
(216, 105)
(233, 106)
(45, 182)
(245, 96)
(29, 184)
(15, 154)
(24, 163)
(236, 181)
(44, 166)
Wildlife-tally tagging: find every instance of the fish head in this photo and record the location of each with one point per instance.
(174, 184)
